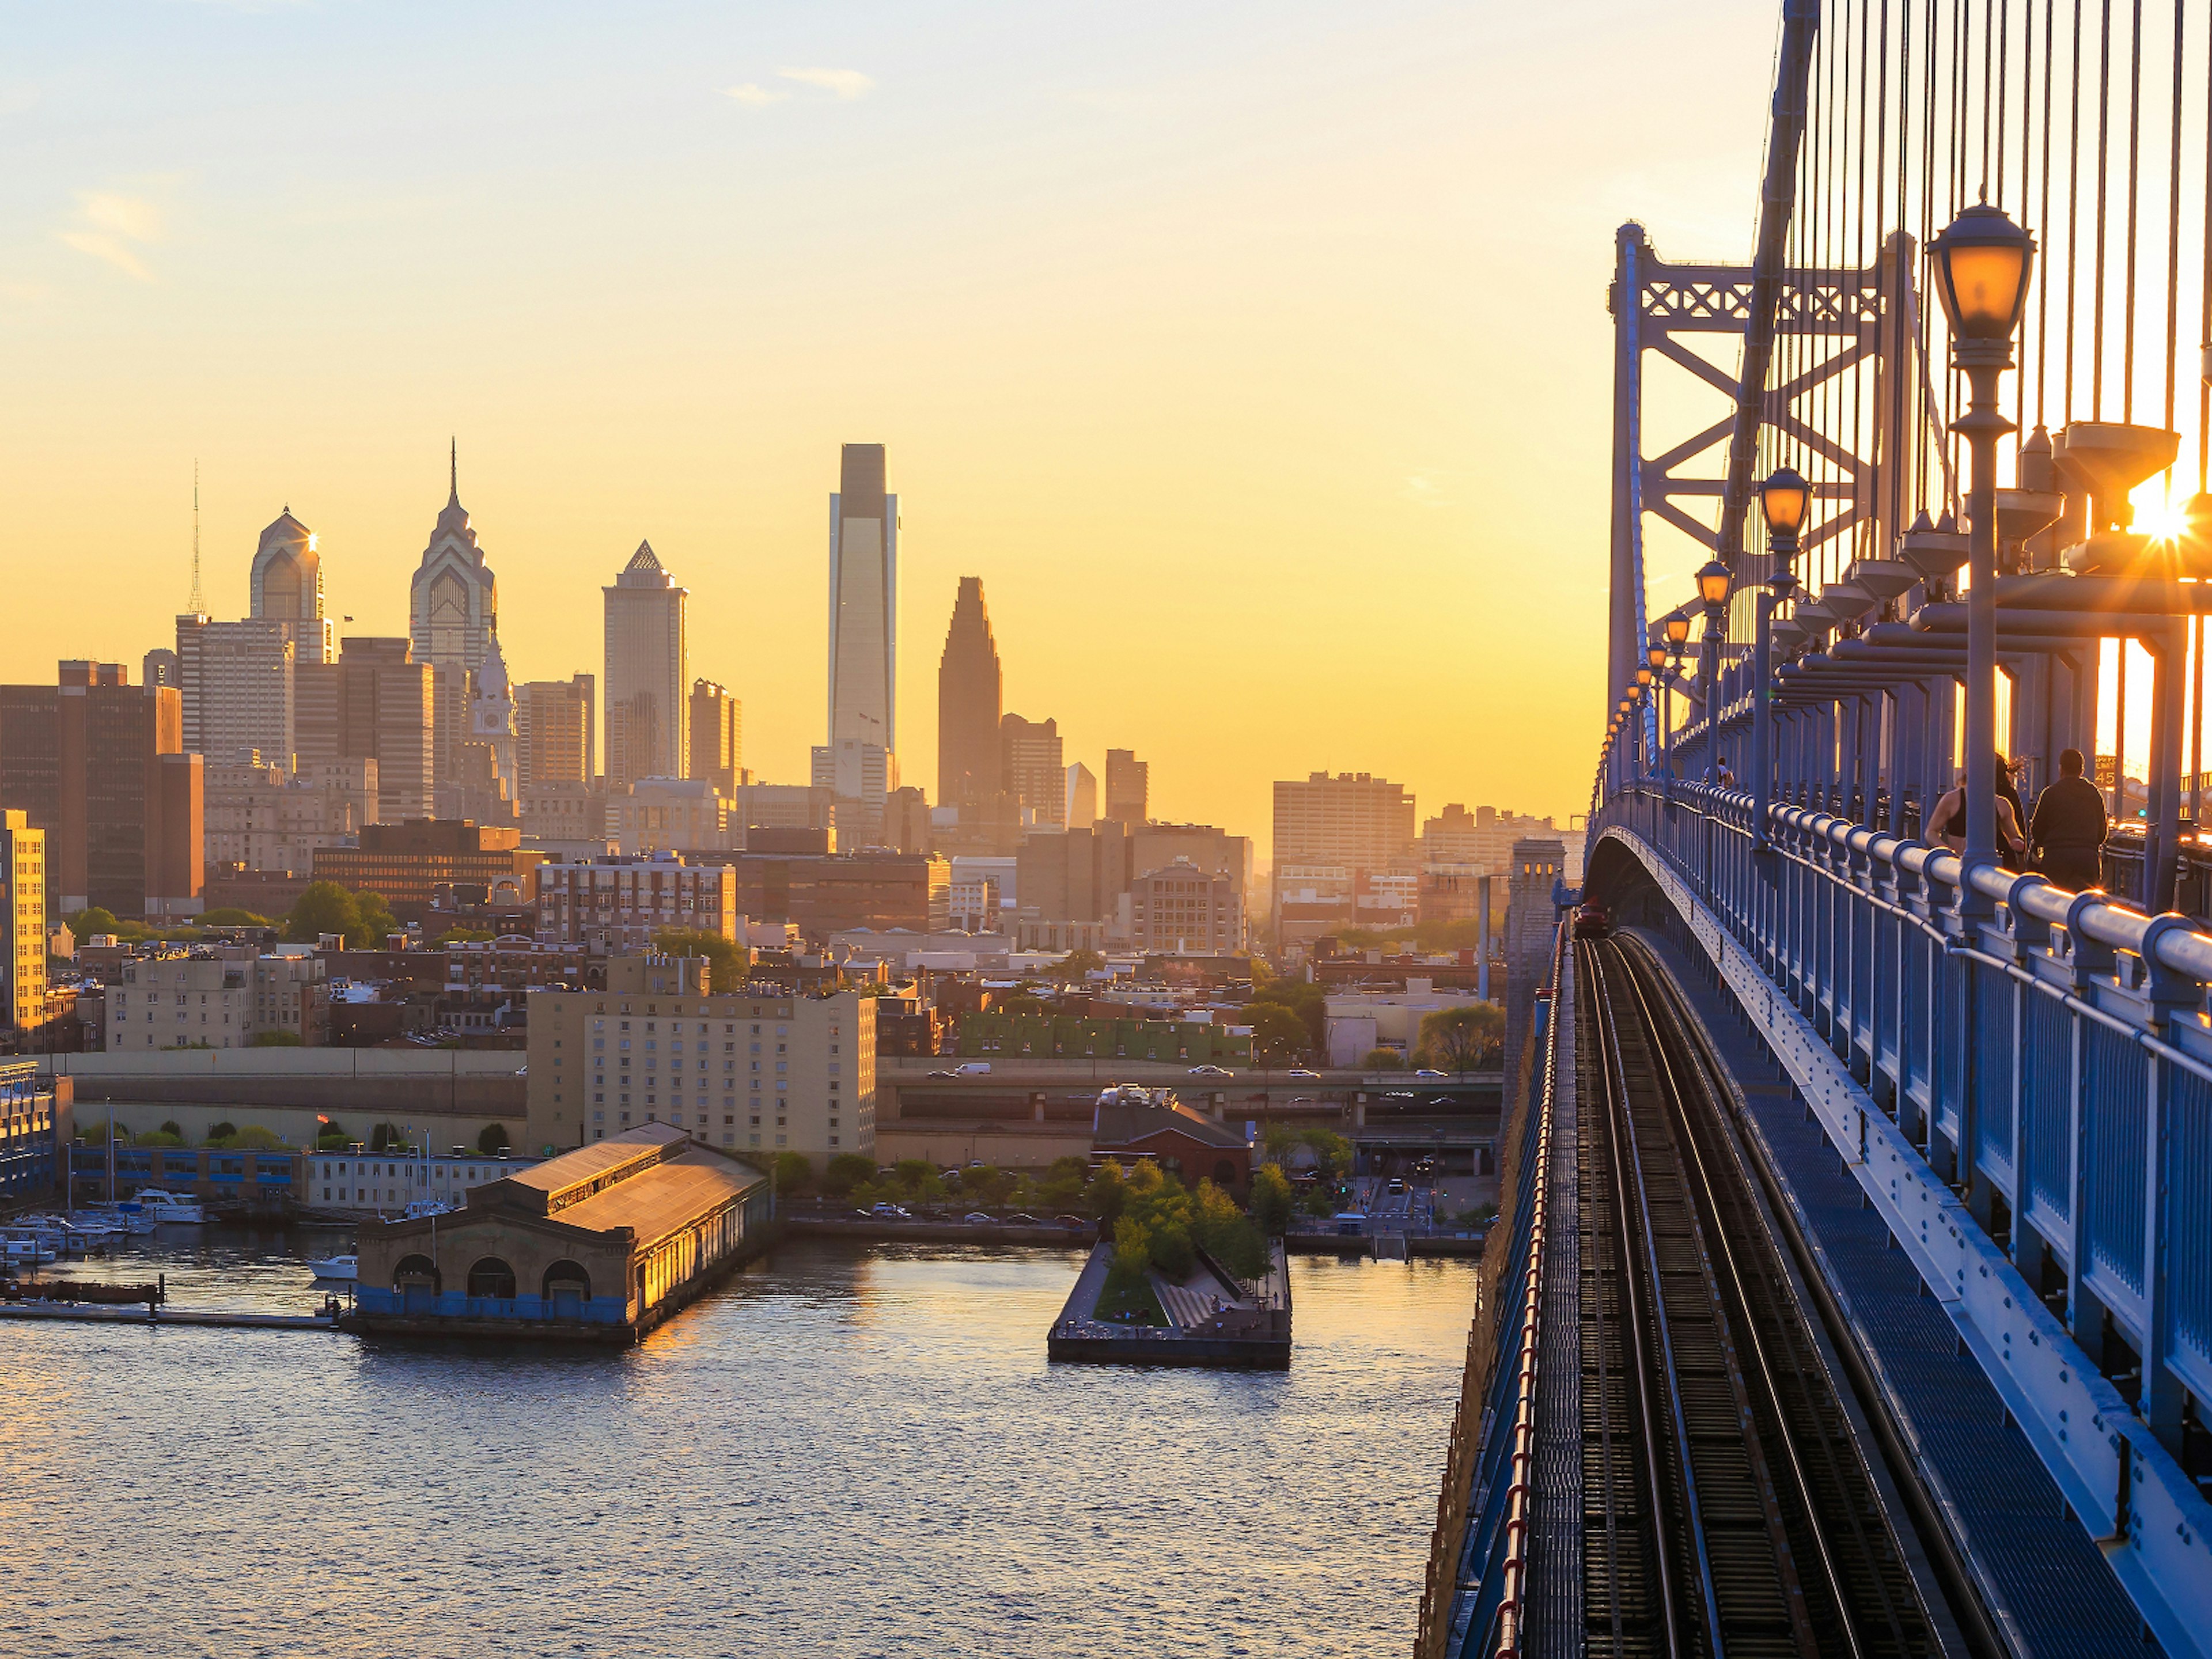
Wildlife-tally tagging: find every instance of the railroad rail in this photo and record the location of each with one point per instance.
(1729, 1508)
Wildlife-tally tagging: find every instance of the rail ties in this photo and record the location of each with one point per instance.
(1729, 1510)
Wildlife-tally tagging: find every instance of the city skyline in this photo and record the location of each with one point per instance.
(1233, 364)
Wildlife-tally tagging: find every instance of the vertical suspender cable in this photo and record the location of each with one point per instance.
(2097, 278)
(2073, 211)
(2135, 197)
(2043, 224)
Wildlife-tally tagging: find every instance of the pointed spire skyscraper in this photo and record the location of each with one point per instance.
(971, 698)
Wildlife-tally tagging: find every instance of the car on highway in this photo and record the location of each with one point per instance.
(1425, 1071)
(1069, 1221)
(1020, 1219)
(1396, 1185)
(1301, 1072)
(891, 1212)
(979, 1218)
(1210, 1071)
(972, 1069)
(942, 1077)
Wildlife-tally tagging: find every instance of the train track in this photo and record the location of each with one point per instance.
(1727, 1510)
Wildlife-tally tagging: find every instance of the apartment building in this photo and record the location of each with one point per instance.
(758, 1075)
(615, 906)
(221, 999)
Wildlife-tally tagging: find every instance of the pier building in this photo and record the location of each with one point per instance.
(599, 1244)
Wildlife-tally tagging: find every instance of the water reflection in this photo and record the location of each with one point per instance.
(846, 1451)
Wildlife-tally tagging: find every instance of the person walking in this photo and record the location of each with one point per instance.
(2070, 826)
(1726, 778)
(1949, 822)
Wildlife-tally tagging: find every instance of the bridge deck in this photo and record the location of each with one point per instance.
(2037, 1569)
(1557, 1510)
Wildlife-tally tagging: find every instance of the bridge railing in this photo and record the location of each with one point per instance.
(1474, 1601)
(2047, 1056)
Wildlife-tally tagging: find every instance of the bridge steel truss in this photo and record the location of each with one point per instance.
(2046, 1052)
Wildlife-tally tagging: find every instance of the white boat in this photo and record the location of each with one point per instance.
(337, 1267)
(127, 1217)
(26, 1249)
(169, 1208)
(428, 1207)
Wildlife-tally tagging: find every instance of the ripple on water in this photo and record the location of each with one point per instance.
(843, 1452)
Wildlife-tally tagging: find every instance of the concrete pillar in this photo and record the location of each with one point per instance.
(1359, 1111)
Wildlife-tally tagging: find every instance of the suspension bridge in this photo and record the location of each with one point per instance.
(1852, 1291)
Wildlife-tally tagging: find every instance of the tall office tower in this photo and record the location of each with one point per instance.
(453, 601)
(287, 587)
(1081, 809)
(23, 901)
(863, 603)
(647, 707)
(971, 698)
(1129, 786)
(127, 801)
(1030, 760)
(553, 733)
(236, 682)
(373, 703)
(717, 734)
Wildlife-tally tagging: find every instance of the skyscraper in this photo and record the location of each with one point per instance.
(647, 711)
(23, 903)
(553, 733)
(452, 602)
(287, 586)
(1030, 754)
(970, 699)
(373, 703)
(717, 738)
(863, 602)
(1082, 810)
(1129, 786)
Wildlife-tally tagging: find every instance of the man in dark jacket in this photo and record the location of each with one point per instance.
(2070, 826)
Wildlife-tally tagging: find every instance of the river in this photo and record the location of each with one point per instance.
(847, 1450)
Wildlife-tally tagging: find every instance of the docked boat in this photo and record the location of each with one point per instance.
(428, 1207)
(171, 1208)
(25, 1248)
(129, 1216)
(346, 1267)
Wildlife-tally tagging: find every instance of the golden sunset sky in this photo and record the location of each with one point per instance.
(1256, 357)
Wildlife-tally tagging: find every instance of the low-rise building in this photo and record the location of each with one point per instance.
(407, 862)
(262, 817)
(1182, 907)
(1069, 1037)
(1133, 1123)
(354, 1183)
(616, 906)
(673, 815)
(600, 1244)
(221, 998)
(34, 1125)
(760, 1074)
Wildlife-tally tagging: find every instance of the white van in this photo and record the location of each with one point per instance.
(973, 1068)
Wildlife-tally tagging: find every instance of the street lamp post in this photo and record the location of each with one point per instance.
(1982, 263)
(1657, 658)
(1783, 501)
(1714, 580)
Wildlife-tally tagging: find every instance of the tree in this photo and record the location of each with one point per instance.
(794, 1174)
(223, 1134)
(1309, 1002)
(255, 1138)
(1278, 1033)
(1017, 1004)
(461, 936)
(229, 915)
(1270, 1198)
(1106, 1194)
(323, 908)
(492, 1141)
(374, 921)
(384, 1137)
(278, 1040)
(725, 964)
(96, 919)
(1383, 1060)
(1458, 1039)
(847, 1171)
(1078, 964)
(170, 1127)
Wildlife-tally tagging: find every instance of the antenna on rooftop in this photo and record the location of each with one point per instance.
(198, 603)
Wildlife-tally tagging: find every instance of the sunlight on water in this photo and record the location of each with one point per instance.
(844, 1452)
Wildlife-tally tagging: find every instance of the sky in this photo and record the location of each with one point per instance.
(1256, 357)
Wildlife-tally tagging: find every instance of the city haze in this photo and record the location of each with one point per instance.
(1241, 353)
